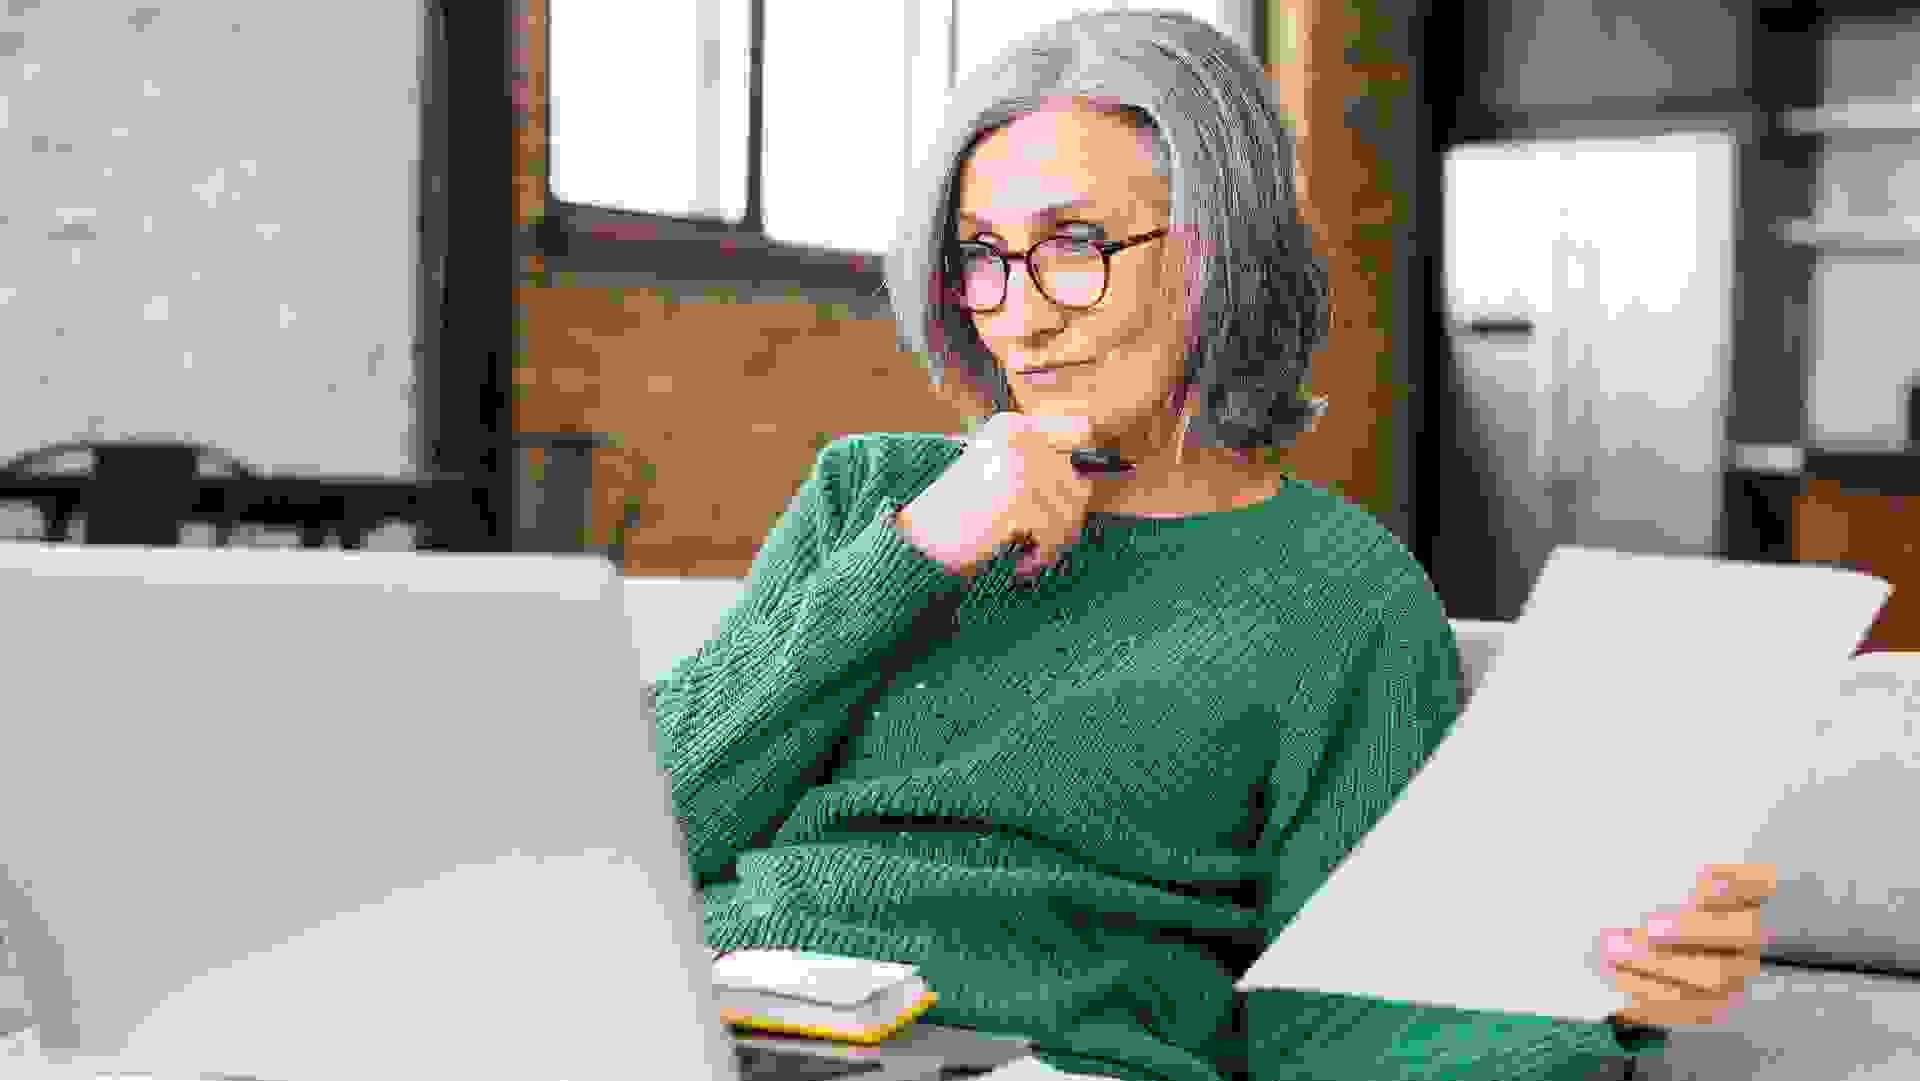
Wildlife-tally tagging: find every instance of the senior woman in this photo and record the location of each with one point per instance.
(1081, 783)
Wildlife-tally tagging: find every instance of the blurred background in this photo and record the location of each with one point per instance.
(565, 275)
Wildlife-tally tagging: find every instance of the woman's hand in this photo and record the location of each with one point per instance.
(1687, 966)
(1016, 482)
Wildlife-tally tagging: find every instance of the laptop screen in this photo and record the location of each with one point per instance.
(315, 815)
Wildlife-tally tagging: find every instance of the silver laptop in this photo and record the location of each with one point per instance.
(323, 816)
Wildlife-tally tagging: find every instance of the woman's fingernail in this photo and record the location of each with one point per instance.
(1620, 946)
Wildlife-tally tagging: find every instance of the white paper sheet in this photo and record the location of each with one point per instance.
(1642, 719)
(825, 979)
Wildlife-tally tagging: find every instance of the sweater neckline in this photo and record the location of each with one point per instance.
(1125, 518)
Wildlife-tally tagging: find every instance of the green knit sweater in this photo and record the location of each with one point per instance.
(1080, 807)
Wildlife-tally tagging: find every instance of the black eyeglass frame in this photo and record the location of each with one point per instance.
(1106, 248)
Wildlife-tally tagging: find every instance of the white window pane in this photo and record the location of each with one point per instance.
(627, 109)
(928, 68)
(736, 60)
(835, 138)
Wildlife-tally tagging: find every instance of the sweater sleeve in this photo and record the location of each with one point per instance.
(1402, 699)
(747, 723)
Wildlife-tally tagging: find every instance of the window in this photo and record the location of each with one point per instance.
(650, 114)
(649, 106)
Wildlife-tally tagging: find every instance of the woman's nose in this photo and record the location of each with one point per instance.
(1024, 304)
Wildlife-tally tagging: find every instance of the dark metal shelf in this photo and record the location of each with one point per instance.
(1888, 472)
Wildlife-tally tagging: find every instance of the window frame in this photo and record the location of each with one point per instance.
(581, 238)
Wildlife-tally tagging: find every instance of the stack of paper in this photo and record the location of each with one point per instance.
(827, 979)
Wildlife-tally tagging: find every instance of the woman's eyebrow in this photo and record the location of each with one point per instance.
(1043, 214)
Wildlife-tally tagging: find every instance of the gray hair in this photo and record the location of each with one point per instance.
(1257, 301)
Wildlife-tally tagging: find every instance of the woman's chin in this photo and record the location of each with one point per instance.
(1116, 429)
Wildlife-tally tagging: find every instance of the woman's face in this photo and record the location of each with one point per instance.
(1074, 172)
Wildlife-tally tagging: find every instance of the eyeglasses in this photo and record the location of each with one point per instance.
(1068, 271)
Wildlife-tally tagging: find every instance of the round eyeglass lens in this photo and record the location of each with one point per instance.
(1072, 272)
(984, 277)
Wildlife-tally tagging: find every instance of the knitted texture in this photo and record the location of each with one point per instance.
(1081, 806)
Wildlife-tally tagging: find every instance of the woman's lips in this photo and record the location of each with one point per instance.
(1044, 376)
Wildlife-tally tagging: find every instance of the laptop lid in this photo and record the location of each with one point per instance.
(318, 816)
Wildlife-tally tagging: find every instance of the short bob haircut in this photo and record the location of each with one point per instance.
(1257, 303)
